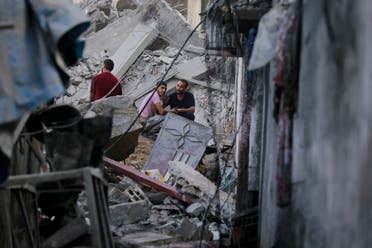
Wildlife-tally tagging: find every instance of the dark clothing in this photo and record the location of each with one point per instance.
(187, 102)
(102, 84)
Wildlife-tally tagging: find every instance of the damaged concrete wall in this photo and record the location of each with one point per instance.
(269, 213)
(331, 196)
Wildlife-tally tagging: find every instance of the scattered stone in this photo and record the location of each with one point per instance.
(166, 60)
(71, 90)
(100, 21)
(191, 182)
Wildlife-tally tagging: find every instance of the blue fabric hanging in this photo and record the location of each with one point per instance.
(37, 32)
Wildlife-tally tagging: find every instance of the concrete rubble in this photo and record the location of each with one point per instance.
(143, 42)
(145, 37)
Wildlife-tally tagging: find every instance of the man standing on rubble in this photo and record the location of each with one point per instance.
(105, 84)
(182, 102)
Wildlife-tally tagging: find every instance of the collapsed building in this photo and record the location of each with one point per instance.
(66, 204)
(262, 165)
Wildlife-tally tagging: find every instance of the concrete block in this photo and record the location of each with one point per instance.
(194, 68)
(141, 36)
(128, 213)
(195, 209)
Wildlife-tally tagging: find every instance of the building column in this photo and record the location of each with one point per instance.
(194, 8)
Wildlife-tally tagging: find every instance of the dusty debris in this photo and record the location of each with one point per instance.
(142, 239)
(195, 209)
(143, 43)
(129, 212)
(194, 184)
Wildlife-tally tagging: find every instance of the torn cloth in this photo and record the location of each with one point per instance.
(286, 84)
(267, 36)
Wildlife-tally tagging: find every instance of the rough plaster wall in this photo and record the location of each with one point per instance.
(331, 197)
(337, 55)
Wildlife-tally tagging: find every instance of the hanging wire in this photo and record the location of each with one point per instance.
(222, 174)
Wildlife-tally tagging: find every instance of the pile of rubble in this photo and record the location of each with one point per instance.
(144, 39)
(142, 216)
(143, 42)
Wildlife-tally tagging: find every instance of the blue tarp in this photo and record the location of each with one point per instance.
(36, 34)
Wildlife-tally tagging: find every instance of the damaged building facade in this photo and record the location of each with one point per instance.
(278, 155)
(309, 131)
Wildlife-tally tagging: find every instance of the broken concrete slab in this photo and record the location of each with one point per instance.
(180, 140)
(194, 49)
(141, 36)
(187, 229)
(195, 209)
(214, 85)
(129, 212)
(123, 115)
(194, 68)
(141, 239)
(172, 25)
(116, 196)
(187, 180)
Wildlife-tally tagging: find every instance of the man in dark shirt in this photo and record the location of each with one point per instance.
(105, 84)
(182, 102)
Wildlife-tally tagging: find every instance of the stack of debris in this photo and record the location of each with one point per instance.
(170, 200)
(142, 216)
(187, 205)
(143, 42)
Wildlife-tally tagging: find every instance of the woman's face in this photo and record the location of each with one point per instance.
(161, 90)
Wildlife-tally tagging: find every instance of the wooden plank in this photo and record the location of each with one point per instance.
(143, 178)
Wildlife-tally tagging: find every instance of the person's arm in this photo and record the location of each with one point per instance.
(165, 100)
(183, 110)
(160, 109)
(92, 90)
